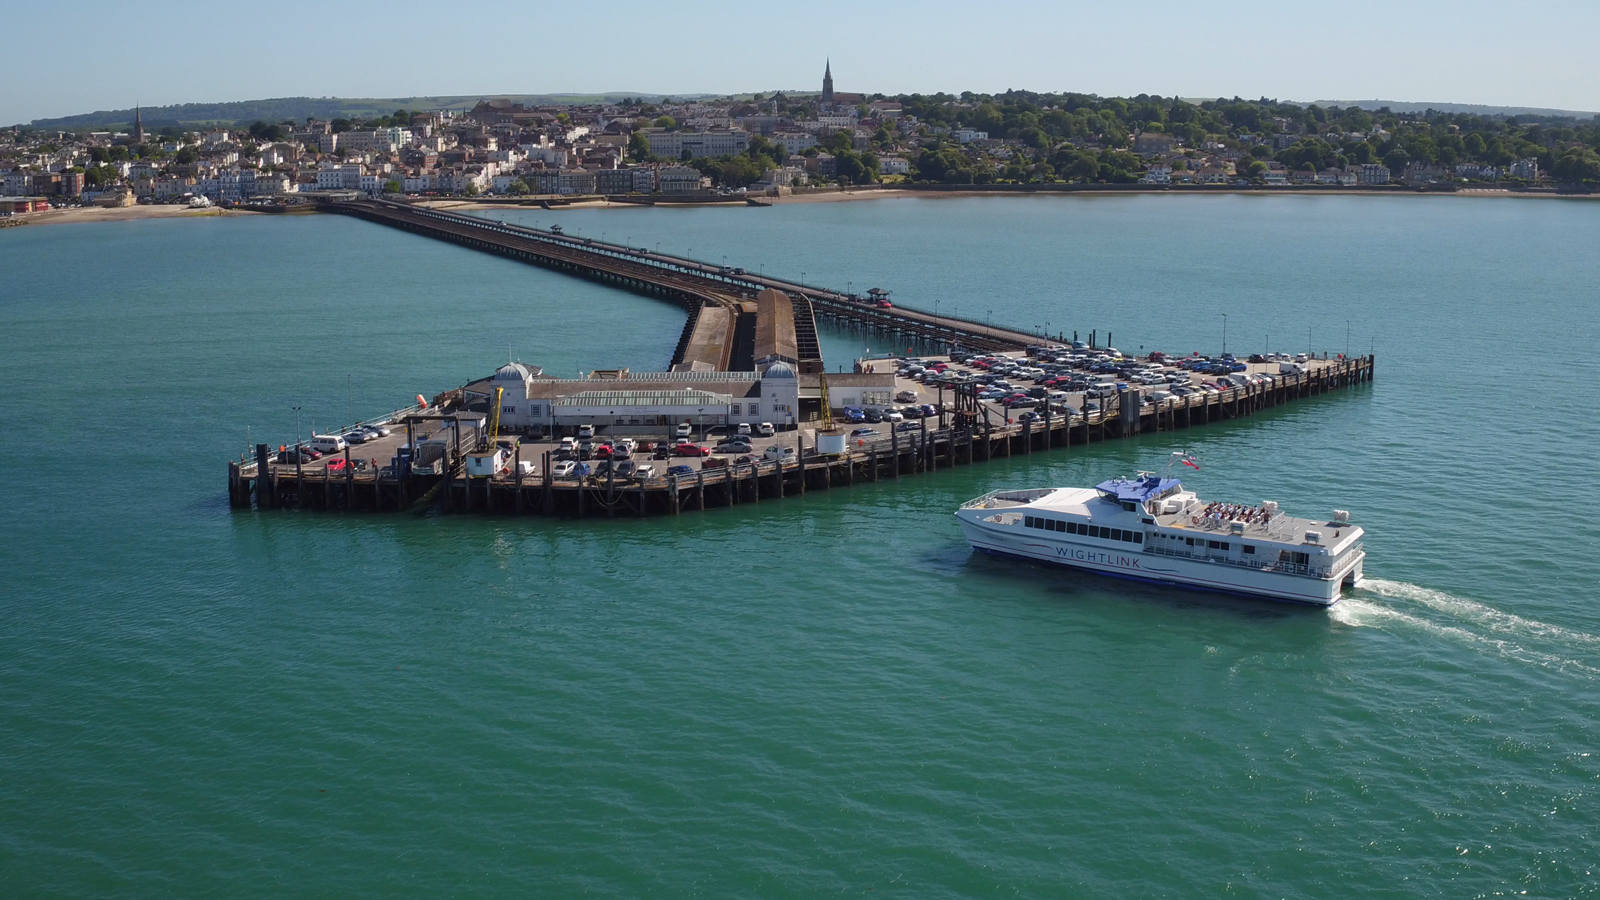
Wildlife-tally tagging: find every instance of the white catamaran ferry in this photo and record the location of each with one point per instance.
(1149, 528)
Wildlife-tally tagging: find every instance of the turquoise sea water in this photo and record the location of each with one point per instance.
(828, 694)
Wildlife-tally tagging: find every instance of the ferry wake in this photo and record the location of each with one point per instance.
(1151, 529)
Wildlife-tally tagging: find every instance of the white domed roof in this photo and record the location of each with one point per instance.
(513, 370)
(779, 370)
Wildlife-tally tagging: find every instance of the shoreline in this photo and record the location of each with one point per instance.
(929, 191)
(93, 214)
(87, 215)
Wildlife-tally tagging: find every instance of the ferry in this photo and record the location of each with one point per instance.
(1149, 528)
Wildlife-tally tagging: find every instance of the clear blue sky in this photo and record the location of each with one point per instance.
(67, 59)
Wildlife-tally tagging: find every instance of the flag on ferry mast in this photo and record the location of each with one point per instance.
(1189, 461)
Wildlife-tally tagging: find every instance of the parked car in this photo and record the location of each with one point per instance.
(687, 449)
(892, 415)
(765, 429)
(680, 471)
(715, 462)
(626, 469)
(744, 429)
(565, 469)
(585, 432)
(645, 472)
(684, 430)
(865, 433)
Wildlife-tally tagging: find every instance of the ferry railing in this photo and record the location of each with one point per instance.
(1324, 573)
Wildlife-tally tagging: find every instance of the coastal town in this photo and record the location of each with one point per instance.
(781, 143)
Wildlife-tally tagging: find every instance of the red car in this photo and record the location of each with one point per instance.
(690, 450)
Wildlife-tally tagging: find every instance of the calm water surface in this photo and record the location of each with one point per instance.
(824, 695)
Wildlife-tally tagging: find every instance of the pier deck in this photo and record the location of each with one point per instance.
(962, 436)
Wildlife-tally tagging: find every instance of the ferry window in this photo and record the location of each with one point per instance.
(1213, 545)
(1116, 534)
(1027, 521)
(1138, 538)
(1224, 545)
(1249, 549)
(1094, 531)
(1057, 525)
(1189, 541)
(1074, 528)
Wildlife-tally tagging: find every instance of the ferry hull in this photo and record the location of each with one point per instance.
(1154, 568)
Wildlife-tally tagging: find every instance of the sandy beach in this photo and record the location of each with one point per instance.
(120, 214)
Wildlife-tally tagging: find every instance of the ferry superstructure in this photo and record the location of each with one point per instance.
(1150, 528)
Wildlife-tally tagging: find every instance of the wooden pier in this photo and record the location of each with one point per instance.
(689, 283)
(970, 438)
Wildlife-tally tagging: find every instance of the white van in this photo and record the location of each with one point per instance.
(585, 432)
(327, 443)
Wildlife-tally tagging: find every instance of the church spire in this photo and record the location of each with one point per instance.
(138, 126)
(827, 81)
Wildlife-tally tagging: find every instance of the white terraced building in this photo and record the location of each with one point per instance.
(638, 403)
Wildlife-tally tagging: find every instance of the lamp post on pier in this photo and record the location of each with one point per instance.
(298, 454)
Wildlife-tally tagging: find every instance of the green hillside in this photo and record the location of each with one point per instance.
(298, 109)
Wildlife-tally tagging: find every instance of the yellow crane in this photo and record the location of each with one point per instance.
(827, 407)
(494, 419)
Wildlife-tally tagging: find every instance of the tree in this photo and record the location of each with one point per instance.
(393, 187)
(265, 133)
(1076, 165)
(639, 147)
(186, 156)
(1577, 164)
(472, 189)
(99, 176)
(667, 122)
(340, 126)
(1397, 159)
(519, 187)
